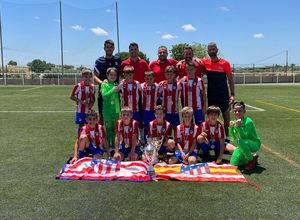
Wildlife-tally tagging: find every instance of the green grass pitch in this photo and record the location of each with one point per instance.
(34, 144)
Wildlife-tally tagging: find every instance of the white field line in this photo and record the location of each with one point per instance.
(37, 111)
(256, 109)
(25, 90)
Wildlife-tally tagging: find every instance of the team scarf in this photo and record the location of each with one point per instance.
(132, 93)
(187, 89)
(96, 132)
(146, 93)
(154, 131)
(167, 94)
(187, 139)
(85, 96)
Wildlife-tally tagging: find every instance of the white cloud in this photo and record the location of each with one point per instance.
(36, 18)
(99, 31)
(108, 10)
(259, 36)
(168, 36)
(188, 27)
(77, 27)
(224, 8)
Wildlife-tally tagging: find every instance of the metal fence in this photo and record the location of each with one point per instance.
(73, 78)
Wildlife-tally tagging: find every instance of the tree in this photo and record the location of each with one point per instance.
(12, 63)
(200, 50)
(38, 66)
(124, 55)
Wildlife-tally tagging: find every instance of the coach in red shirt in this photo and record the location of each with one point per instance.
(140, 65)
(219, 76)
(158, 66)
(188, 56)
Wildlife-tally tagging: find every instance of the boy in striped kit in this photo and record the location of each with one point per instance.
(193, 93)
(126, 140)
(185, 137)
(161, 129)
(149, 99)
(169, 92)
(91, 139)
(211, 135)
(83, 94)
(130, 92)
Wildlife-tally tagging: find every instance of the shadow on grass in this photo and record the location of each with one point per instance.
(257, 170)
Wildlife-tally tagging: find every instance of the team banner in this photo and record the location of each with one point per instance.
(137, 171)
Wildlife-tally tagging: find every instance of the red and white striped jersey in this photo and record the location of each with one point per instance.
(186, 135)
(126, 131)
(149, 96)
(214, 133)
(96, 135)
(156, 130)
(83, 93)
(169, 94)
(130, 94)
(191, 92)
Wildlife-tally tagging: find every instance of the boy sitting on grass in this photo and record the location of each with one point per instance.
(211, 135)
(185, 137)
(242, 130)
(126, 140)
(91, 139)
(161, 129)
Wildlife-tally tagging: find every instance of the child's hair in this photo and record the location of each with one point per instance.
(92, 113)
(187, 110)
(190, 64)
(170, 69)
(213, 109)
(128, 70)
(239, 103)
(149, 73)
(159, 108)
(111, 69)
(109, 42)
(86, 72)
(126, 109)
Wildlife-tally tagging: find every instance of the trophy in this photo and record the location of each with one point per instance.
(150, 153)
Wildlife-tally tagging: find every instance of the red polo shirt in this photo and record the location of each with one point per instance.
(139, 68)
(200, 70)
(159, 68)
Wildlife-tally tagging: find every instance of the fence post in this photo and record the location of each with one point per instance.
(5, 76)
(273, 68)
(233, 69)
(23, 79)
(75, 78)
(260, 79)
(58, 79)
(253, 67)
(277, 78)
(294, 77)
(244, 78)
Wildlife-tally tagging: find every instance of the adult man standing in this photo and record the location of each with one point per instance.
(188, 56)
(158, 66)
(218, 72)
(101, 65)
(140, 65)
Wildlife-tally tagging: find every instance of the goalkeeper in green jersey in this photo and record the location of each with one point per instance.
(242, 131)
(111, 104)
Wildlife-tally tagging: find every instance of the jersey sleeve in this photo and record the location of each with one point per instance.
(168, 129)
(74, 91)
(101, 128)
(227, 68)
(105, 90)
(117, 126)
(177, 134)
(221, 131)
(81, 132)
(135, 128)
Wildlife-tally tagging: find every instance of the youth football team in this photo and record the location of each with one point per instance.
(134, 111)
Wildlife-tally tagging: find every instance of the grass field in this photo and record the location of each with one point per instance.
(35, 141)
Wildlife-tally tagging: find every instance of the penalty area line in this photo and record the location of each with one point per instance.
(256, 109)
(25, 90)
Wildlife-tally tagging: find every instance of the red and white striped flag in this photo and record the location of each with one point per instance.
(89, 169)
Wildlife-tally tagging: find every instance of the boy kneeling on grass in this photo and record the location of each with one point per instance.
(242, 130)
(185, 135)
(91, 139)
(126, 140)
(211, 135)
(161, 129)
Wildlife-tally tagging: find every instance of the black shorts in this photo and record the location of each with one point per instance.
(221, 102)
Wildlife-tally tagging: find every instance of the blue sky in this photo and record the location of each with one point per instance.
(245, 31)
